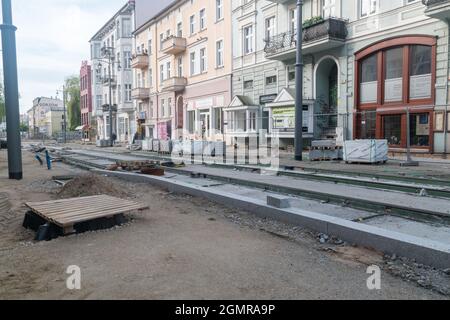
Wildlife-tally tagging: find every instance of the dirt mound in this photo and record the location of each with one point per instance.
(90, 185)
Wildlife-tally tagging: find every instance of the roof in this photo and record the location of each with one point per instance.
(108, 26)
(157, 9)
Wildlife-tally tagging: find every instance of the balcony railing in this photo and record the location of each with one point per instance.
(140, 93)
(331, 29)
(174, 84)
(173, 45)
(105, 80)
(439, 9)
(429, 3)
(140, 61)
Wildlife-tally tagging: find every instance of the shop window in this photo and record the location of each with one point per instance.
(191, 121)
(393, 83)
(392, 129)
(420, 130)
(420, 72)
(369, 83)
(368, 124)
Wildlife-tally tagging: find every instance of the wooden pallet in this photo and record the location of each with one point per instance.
(68, 212)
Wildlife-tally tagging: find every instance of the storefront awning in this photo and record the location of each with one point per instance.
(286, 98)
(241, 103)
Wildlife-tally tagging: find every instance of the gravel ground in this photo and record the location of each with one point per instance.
(189, 248)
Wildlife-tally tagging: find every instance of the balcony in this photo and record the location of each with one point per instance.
(105, 81)
(140, 93)
(438, 9)
(173, 45)
(174, 84)
(320, 36)
(140, 61)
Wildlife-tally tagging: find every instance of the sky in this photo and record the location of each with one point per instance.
(52, 41)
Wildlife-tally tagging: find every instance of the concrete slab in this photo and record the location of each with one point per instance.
(423, 250)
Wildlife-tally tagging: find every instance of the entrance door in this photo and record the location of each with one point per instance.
(420, 129)
(205, 121)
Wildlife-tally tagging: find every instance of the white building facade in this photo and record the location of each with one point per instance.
(114, 38)
(367, 64)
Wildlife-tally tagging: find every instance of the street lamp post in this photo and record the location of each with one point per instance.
(11, 93)
(64, 113)
(299, 85)
(109, 52)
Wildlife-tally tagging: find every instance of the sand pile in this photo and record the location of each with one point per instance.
(91, 185)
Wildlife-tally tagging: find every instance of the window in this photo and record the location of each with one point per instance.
(168, 67)
(192, 63)
(150, 47)
(161, 40)
(180, 66)
(368, 7)
(271, 80)
(180, 29)
(392, 129)
(192, 24)
(420, 72)
(202, 19)
(270, 27)
(163, 108)
(127, 59)
(128, 93)
(202, 60)
(369, 83)
(329, 8)
(393, 84)
(161, 72)
(292, 20)
(248, 40)
(219, 10)
(150, 77)
(219, 53)
(248, 84)
(169, 107)
(126, 30)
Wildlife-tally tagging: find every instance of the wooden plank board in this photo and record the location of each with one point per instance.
(68, 212)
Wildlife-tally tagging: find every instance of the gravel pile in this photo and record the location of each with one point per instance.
(91, 185)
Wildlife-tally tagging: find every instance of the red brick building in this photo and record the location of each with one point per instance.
(86, 99)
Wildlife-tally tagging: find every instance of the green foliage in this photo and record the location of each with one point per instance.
(24, 127)
(73, 102)
(312, 21)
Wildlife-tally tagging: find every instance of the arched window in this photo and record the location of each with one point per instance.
(396, 71)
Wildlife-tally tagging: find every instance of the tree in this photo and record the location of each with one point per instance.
(73, 102)
(2, 104)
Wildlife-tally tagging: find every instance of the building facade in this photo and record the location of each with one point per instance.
(182, 70)
(367, 64)
(46, 117)
(113, 43)
(88, 129)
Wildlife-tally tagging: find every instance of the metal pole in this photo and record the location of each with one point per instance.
(11, 93)
(110, 103)
(299, 85)
(409, 162)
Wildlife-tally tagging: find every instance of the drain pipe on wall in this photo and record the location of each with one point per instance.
(447, 80)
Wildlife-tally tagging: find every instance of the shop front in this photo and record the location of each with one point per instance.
(282, 118)
(395, 93)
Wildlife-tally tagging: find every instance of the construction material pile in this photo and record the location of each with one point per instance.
(90, 185)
